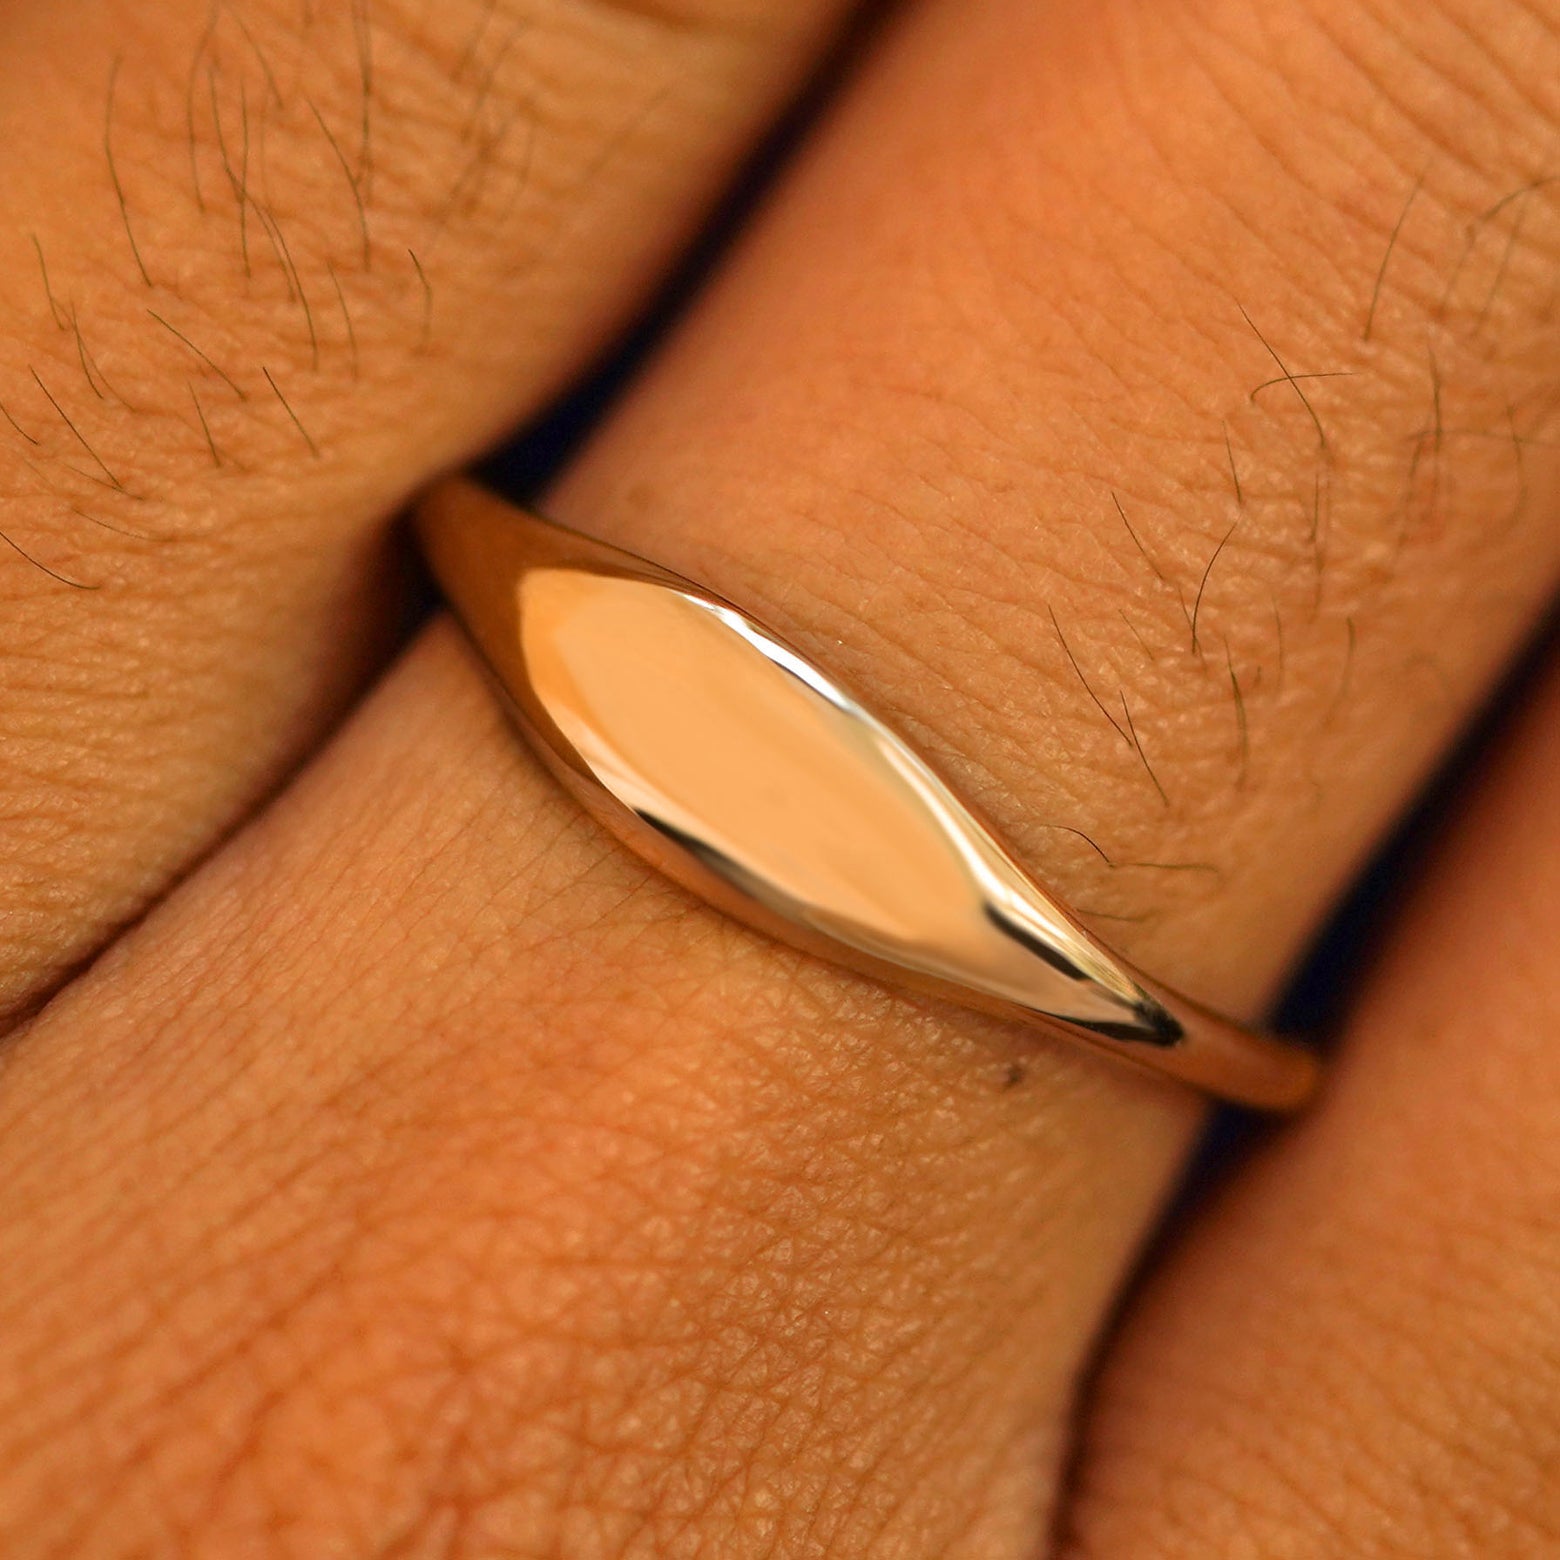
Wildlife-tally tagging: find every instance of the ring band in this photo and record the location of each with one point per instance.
(738, 768)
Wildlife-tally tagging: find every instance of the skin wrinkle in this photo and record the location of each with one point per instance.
(141, 410)
(1473, 42)
(1457, 1386)
(1191, 618)
(882, 563)
(1402, 1382)
(411, 291)
(1237, 495)
(879, 629)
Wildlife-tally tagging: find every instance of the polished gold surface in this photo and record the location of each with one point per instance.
(738, 768)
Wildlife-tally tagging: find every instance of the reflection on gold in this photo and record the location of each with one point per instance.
(694, 721)
(736, 767)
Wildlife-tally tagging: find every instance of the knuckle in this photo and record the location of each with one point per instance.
(279, 207)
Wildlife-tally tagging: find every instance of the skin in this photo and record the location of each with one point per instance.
(421, 1177)
(301, 362)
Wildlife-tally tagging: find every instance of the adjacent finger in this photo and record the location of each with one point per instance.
(266, 266)
(1358, 1350)
(664, 1234)
(1189, 624)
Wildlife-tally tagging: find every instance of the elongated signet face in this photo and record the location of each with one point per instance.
(735, 765)
(744, 757)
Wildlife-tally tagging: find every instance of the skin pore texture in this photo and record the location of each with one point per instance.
(251, 257)
(1357, 1351)
(1150, 408)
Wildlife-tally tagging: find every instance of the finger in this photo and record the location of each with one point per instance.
(1122, 574)
(1359, 1348)
(267, 266)
(850, 1274)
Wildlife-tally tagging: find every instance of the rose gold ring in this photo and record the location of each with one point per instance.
(735, 766)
